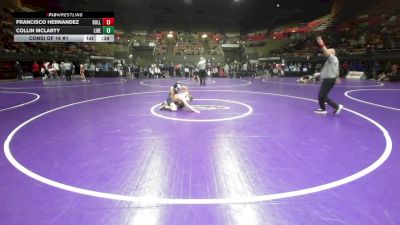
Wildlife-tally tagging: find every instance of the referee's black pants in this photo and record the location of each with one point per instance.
(68, 74)
(202, 77)
(326, 87)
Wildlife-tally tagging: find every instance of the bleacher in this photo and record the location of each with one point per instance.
(388, 7)
(377, 33)
(161, 47)
(214, 48)
(192, 47)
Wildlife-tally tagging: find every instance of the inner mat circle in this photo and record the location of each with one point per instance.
(230, 110)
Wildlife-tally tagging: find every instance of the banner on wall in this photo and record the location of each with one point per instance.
(355, 75)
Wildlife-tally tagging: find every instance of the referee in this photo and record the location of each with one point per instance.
(329, 74)
(68, 70)
(202, 71)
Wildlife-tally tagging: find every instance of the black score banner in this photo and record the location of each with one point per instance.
(64, 27)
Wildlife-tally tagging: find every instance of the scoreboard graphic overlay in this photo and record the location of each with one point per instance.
(64, 27)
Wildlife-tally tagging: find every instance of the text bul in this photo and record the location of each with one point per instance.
(96, 22)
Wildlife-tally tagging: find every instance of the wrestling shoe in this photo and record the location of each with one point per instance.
(162, 106)
(337, 111)
(320, 111)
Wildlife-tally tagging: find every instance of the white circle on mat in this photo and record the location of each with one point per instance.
(249, 111)
(244, 83)
(70, 85)
(347, 94)
(22, 104)
(200, 201)
(378, 84)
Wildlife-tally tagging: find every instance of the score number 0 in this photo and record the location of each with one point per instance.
(108, 21)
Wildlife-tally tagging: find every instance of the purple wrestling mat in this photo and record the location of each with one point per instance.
(102, 152)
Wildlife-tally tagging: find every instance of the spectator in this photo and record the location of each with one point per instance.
(18, 70)
(35, 69)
